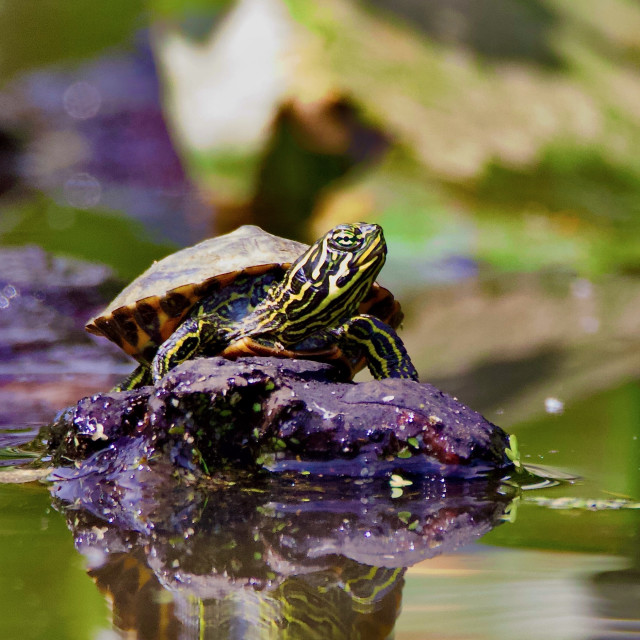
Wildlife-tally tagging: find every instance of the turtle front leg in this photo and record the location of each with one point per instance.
(139, 377)
(196, 335)
(386, 355)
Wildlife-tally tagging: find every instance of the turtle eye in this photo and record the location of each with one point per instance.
(345, 240)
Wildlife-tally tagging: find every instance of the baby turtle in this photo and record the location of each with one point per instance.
(253, 293)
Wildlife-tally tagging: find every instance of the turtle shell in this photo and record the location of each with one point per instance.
(150, 309)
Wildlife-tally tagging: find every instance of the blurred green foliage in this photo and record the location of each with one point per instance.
(578, 180)
(523, 128)
(98, 236)
(495, 29)
(182, 8)
(518, 133)
(34, 34)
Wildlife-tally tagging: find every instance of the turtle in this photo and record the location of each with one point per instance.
(250, 293)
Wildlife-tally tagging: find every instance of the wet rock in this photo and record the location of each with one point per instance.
(289, 416)
(95, 422)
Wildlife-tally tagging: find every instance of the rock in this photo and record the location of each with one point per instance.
(67, 285)
(286, 416)
(47, 359)
(44, 301)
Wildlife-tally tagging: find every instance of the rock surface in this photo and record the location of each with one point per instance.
(283, 416)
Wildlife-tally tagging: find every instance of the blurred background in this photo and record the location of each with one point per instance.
(494, 140)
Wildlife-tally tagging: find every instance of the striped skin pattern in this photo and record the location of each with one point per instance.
(225, 304)
(368, 585)
(387, 356)
(138, 378)
(312, 311)
(323, 286)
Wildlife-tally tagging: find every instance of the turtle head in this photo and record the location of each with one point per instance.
(345, 259)
(326, 284)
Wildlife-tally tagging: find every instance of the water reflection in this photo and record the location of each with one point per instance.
(277, 558)
(616, 595)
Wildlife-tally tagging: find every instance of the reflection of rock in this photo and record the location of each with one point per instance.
(285, 415)
(265, 552)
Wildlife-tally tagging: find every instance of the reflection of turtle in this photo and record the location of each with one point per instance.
(251, 293)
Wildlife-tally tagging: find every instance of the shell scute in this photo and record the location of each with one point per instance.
(133, 336)
(174, 304)
(171, 287)
(147, 317)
